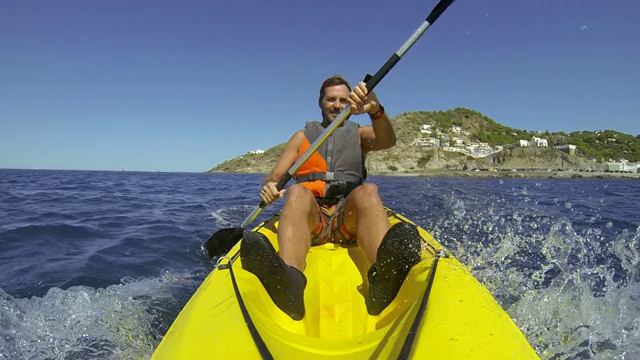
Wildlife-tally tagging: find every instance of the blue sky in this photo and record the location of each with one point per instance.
(184, 85)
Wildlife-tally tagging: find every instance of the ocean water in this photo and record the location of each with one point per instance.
(98, 264)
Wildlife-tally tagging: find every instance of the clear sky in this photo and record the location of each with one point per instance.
(185, 85)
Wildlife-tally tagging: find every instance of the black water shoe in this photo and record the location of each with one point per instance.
(285, 284)
(399, 251)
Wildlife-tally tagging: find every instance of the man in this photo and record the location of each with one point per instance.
(331, 202)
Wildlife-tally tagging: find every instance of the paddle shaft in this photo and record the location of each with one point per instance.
(371, 82)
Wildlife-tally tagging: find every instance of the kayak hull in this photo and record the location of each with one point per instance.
(461, 319)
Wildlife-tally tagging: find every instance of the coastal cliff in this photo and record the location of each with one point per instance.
(463, 141)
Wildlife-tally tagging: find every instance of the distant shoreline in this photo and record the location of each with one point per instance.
(521, 174)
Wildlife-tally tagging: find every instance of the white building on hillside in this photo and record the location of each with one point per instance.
(569, 149)
(536, 141)
(621, 166)
(430, 142)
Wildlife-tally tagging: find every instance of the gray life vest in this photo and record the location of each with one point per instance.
(343, 156)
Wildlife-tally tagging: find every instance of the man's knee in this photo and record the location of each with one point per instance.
(366, 191)
(298, 195)
(297, 190)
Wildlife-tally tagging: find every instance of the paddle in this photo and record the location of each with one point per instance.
(223, 240)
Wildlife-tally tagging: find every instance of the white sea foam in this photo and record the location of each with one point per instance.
(121, 321)
(572, 294)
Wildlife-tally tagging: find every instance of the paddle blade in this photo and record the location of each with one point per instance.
(221, 242)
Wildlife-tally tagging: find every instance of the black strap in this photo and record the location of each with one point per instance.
(328, 176)
(262, 347)
(411, 337)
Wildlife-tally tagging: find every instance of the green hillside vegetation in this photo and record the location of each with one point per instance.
(481, 127)
(593, 148)
(604, 145)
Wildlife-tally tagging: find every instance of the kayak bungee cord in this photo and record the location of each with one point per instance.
(411, 337)
(255, 335)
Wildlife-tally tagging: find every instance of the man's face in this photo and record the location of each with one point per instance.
(334, 101)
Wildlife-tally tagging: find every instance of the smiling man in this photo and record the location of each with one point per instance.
(330, 202)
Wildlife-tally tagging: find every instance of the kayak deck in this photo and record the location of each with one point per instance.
(462, 320)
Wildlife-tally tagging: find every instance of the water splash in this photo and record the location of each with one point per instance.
(121, 321)
(573, 292)
(228, 217)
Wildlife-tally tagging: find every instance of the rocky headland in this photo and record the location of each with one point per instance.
(462, 142)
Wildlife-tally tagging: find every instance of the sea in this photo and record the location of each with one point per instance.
(98, 264)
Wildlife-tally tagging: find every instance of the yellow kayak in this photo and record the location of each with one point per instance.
(440, 312)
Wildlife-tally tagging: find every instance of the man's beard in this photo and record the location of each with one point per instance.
(330, 116)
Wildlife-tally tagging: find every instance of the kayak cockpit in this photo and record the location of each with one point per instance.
(334, 297)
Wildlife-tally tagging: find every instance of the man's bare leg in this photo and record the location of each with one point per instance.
(299, 217)
(365, 216)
